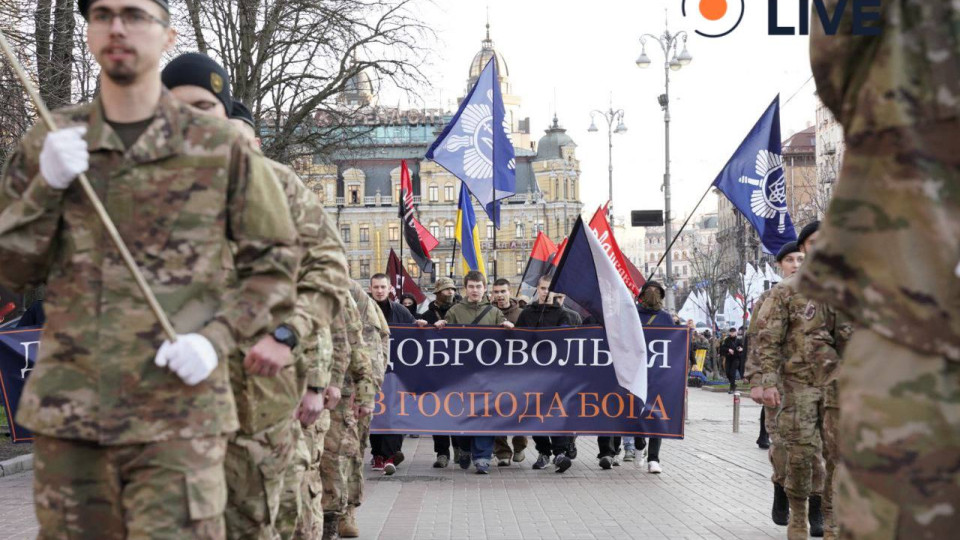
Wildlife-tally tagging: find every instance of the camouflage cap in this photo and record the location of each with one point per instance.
(443, 284)
(84, 6)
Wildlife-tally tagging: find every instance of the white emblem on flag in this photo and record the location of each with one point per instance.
(770, 197)
(476, 138)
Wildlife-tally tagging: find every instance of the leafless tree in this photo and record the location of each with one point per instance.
(289, 60)
(709, 274)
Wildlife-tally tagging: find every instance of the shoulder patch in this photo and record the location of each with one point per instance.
(810, 311)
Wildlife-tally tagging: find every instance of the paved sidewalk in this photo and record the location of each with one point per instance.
(715, 484)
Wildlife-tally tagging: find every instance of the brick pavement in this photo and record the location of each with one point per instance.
(715, 485)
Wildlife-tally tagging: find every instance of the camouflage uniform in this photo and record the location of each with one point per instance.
(343, 441)
(777, 453)
(886, 256)
(827, 335)
(260, 453)
(186, 190)
(780, 348)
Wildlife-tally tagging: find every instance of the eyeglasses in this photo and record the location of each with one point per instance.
(133, 19)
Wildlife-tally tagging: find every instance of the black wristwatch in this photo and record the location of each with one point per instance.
(315, 389)
(284, 334)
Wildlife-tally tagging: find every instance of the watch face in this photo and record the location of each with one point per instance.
(282, 333)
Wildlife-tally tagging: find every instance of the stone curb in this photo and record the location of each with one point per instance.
(16, 465)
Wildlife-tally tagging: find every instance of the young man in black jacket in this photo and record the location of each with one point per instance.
(730, 349)
(548, 311)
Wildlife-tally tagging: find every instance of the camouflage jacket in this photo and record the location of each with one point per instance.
(827, 333)
(376, 332)
(779, 343)
(323, 274)
(891, 238)
(265, 401)
(751, 372)
(186, 190)
(352, 369)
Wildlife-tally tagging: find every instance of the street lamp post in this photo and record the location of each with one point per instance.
(669, 44)
(611, 116)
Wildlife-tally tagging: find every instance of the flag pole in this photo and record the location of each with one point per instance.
(453, 256)
(98, 207)
(682, 227)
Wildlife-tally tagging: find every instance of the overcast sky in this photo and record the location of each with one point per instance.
(582, 51)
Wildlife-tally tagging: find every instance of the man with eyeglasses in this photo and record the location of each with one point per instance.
(131, 429)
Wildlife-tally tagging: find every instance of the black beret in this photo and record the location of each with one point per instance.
(806, 231)
(195, 69)
(241, 112)
(84, 6)
(788, 248)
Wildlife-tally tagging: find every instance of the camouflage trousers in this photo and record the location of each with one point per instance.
(341, 444)
(310, 522)
(899, 439)
(255, 467)
(355, 464)
(291, 498)
(169, 489)
(831, 454)
(777, 452)
(799, 425)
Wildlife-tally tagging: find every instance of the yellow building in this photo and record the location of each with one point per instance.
(360, 185)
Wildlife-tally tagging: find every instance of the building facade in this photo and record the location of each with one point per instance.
(360, 186)
(701, 231)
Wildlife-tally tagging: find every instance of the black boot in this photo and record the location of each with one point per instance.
(331, 527)
(815, 516)
(781, 506)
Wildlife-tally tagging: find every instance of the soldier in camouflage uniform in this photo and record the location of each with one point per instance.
(887, 257)
(780, 347)
(343, 442)
(144, 429)
(376, 336)
(268, 384)
(789, 259)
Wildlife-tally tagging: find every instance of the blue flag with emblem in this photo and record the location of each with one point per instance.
(475, 146)
(753, 180)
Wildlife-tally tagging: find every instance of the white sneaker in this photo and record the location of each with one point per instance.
(654, 467)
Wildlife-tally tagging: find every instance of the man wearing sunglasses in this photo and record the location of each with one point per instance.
(130, 428)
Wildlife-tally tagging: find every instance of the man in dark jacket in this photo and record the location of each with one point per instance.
(388, 446)
(730, 349)
(446, 291)
(548, 311)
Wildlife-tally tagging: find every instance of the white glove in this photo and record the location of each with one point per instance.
(192, 357)
(64, 156)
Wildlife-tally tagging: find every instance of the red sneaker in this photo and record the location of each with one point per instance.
(389, 467)
(378, 463)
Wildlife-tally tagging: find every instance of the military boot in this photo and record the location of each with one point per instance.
(815, 516)
(331, 527)
(781, 507)
(797, 527)
(348, 524)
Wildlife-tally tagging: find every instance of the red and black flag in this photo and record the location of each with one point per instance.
(397, 273)
(418, 238)
(537, 264)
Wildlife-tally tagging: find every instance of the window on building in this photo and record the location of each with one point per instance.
(345, 234)
(521, 263)
(448, 193)
(448, 230)
(435, 229)
(434, 193)
(364, 234)
(556, 189)
(412, 268)
(354, 192)
(489, 230)
(364, 268)
(396, 193)
(566, 190)
(684, 270)
(519, 230)
(394, 233)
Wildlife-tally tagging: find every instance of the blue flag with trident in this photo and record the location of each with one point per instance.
(753, 181)
(475, 146)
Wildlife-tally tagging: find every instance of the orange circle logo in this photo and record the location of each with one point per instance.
(713, 10)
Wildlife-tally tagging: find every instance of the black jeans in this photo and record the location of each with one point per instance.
(608, 446)
(653, 453)
(764, 436)
(385, 445)
(552, 445)
(733, 366)
(441, 445)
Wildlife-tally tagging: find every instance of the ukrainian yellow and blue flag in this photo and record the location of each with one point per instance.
(468, 234)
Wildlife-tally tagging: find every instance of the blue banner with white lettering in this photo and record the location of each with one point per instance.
(18, 352)
(548, 381)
